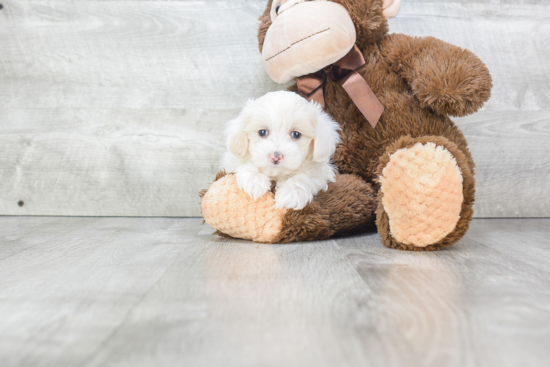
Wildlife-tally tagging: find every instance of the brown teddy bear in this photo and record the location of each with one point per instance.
(412, 173)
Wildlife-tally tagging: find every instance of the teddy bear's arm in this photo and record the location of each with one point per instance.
(445, 78)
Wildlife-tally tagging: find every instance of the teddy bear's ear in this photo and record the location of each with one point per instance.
(237, 140)
(391, 8)
(327, 137)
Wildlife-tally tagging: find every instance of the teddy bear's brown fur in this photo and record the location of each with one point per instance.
(420, 82)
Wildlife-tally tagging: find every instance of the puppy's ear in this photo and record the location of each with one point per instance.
(237, 140)
(327, 137)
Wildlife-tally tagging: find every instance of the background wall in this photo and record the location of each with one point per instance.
(117, 107)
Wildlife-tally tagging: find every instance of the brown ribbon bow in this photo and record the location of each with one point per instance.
(343, 72)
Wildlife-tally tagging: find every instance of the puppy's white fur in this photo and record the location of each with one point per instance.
(305, 167)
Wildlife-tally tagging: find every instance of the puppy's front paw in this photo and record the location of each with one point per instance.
(293, 195)
(253, 183)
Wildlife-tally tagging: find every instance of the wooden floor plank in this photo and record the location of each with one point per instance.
(235, 303)
(141, 292)
(521, 240)
(350, 302)
(19, 234)
(468, 305)
(62, 298)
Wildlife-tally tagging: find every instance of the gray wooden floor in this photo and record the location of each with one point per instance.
(165, 292)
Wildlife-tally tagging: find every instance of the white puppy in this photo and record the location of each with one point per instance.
(282, 136)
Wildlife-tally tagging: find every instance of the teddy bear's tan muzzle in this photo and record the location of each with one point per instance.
(306, 38)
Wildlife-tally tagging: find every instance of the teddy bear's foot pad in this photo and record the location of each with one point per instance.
(233, 212)
(422, 194)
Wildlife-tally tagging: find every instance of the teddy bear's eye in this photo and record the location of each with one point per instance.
(277, 9)
(263, 133)
(296, 135)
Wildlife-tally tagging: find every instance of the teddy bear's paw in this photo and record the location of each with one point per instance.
(253, 183)
(228, 209)
(293, 194)
(422, 194)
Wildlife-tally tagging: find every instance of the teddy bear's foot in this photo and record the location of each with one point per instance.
(426, 194)
(347, 206)
(233, 213)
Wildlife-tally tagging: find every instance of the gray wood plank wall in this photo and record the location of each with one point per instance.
(117, 107)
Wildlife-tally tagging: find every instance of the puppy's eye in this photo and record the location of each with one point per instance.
(263, 133)
(277, 9)
(296, 135)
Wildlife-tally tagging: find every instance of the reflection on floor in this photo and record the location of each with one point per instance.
(166, 292)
